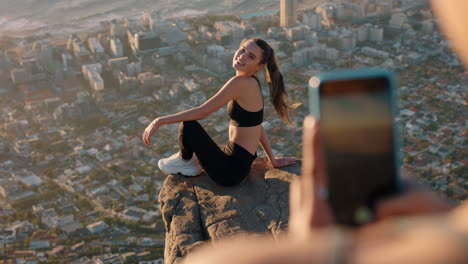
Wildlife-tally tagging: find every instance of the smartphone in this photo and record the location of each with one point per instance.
(360, 139)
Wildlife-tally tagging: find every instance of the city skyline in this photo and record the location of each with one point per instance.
(76, 182)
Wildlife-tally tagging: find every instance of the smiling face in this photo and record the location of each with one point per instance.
(247, 59)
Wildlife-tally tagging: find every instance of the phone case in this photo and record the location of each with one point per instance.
(350, 74)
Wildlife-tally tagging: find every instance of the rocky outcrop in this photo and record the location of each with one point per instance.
(195, 209)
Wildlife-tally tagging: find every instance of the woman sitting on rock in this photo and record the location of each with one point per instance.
(242, 93)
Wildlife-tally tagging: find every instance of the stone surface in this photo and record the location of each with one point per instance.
(195, 209)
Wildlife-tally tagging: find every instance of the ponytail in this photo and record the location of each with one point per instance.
(278, 94)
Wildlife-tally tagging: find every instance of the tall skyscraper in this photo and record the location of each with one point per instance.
(288, 9)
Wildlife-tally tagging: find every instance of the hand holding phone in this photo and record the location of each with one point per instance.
(360, 140)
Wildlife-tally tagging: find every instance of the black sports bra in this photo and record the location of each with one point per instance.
(243, 118)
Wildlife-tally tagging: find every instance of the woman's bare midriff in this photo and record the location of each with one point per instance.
(246, 137)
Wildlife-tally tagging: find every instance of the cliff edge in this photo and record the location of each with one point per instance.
(195, 209)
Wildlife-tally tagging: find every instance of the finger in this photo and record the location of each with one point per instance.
(314, 176)
(295, 197)
(308, 149)
(392, 207)
(411, 203)
(320, 176)
(150, 133)
(146, 137)
(298, 223)
(307, 186)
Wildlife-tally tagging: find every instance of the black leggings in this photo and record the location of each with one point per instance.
(227, 166)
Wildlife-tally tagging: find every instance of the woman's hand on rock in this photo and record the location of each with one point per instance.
(283, 161)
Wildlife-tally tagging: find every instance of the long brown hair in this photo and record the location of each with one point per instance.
(278, 94)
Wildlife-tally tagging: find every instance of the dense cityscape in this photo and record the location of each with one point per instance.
(77, 185)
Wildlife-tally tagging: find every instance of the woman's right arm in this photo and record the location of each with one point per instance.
(228, 92)
(274, 161)
(265, 143)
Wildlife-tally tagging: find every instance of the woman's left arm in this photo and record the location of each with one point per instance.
(274, 161)
(228, 92)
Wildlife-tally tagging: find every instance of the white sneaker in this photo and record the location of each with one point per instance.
(175, 164)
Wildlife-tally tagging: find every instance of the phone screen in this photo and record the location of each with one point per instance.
(357, 132)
